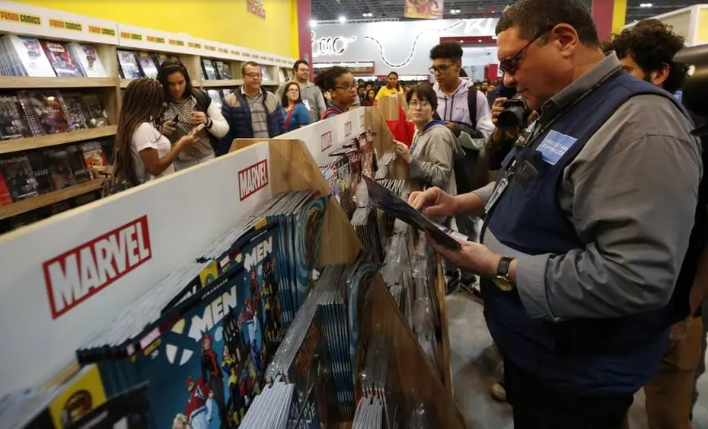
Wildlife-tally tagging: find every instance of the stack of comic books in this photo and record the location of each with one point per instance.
(203, 335)
(331, 288)
(366, 227)
(271, 408)
(55, 407)
(303, 360)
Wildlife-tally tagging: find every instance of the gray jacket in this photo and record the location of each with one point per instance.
(434, 152)
(312, 97)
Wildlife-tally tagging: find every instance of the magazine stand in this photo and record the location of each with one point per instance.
(178, 215)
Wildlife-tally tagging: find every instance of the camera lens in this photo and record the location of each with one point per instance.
(511, 117)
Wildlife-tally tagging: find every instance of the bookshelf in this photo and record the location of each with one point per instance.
(11, 146)
(221, 83)
(22, 82)
(50, 198)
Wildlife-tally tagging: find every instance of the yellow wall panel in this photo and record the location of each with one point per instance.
(225, 21)
(703, 26)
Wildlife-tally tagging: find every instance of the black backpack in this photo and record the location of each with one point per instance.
(202, 105)
(466, 174)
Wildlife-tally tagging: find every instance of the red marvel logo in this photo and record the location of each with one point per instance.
(82, 272)
(252, 179)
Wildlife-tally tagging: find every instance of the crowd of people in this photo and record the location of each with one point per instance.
(592, 259)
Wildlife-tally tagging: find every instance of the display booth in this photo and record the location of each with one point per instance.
(690, 22)
(50, 306)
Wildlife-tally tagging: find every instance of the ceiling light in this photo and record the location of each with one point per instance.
(367, 15)
(454, 11)
(313, 23)
(646, 5)
(342, 19)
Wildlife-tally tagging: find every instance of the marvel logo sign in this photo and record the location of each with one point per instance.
(252, 179)
(80, 273)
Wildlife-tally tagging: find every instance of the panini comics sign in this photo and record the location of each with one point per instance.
(252, 179)
(80, 273)
(256, 7)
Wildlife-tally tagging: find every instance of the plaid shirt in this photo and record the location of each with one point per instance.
(259, 117)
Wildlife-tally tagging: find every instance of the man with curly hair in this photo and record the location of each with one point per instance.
(646, 51)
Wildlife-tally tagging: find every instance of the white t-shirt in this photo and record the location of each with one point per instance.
(147, 136)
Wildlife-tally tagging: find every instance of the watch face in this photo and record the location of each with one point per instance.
(503, 284)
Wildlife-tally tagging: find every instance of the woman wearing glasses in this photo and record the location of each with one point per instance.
(296, 114)
(432, 155)
(340, 85)
(185, 108)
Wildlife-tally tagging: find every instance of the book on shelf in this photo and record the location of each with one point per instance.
(209, 69)
(129, 66)
(40, 171)
(161, 57)
(147, 64)
(266, 74)
(12, 121)
(43, 111)
(61, 59)
(20, 181)
(75, 111)
(88, 58)
(24, 57)
(94, 157)
(78, 167)
(223, 69)
(281, 74)
(60, 168)
(96, 113)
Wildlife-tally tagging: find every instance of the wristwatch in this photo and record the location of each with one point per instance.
(501, 278)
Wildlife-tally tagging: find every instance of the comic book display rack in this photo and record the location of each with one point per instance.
(62, 76)
(164, 230)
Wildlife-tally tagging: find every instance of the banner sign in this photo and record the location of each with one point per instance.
(256, 7)
(424, 9)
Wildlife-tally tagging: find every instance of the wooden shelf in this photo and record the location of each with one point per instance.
(20, 82)
(28, 143)
(221, 83)
(45, 200)
(270, 83)
(124, 82)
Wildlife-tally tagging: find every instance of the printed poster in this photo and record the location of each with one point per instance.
(424, 9)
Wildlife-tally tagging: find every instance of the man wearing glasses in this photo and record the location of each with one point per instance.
(251, 111)
(586, 228)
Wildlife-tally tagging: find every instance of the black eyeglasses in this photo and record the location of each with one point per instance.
(510, 64)
(440, 69)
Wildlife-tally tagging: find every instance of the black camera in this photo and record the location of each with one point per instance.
(514, 115)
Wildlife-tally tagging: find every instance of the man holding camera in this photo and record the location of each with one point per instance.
(586, 228)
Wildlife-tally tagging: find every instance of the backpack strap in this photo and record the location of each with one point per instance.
(472, 104)
(203, 100)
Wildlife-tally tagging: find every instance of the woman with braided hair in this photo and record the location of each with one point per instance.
(141, 152)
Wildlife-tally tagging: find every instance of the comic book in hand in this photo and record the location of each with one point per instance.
(61, 59)
(128, 410)
(44, 111)
(19, 177)
(392, 204)
(205, 365)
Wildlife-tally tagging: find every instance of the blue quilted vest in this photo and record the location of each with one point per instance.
(592, 356)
